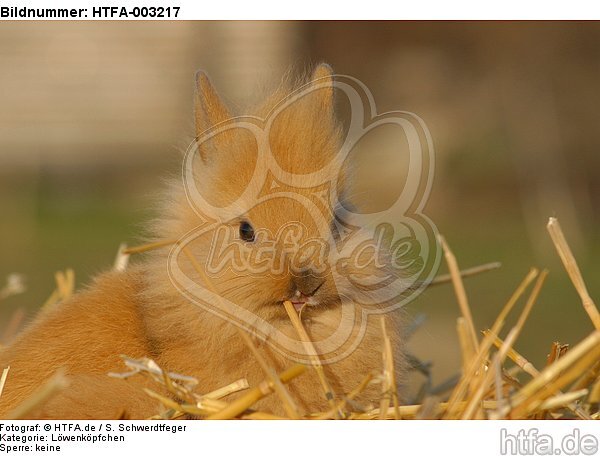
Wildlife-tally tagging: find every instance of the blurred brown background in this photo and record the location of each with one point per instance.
(92, 115)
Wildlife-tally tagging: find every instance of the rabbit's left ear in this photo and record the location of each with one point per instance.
(323, 76)
(209, 110)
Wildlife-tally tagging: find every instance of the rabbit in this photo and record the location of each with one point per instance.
(139, 312)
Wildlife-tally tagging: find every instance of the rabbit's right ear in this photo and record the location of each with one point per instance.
(209, 110)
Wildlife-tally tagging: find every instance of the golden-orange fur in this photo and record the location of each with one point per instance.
(140, 313)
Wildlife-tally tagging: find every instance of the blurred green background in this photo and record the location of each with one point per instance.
(92, 116)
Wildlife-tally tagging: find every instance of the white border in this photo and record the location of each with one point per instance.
(352, 9)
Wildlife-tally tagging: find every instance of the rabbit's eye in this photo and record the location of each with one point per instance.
(246, 232)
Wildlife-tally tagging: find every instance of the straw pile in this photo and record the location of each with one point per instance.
(568, 387)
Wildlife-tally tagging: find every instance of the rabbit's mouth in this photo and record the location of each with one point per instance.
(299, 300)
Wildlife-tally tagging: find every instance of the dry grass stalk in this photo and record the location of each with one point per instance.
(3, 379)
(183, 401)
(554, 377)
(220, 393)
(562, 400)
(445, 278)
(490, 375)
(204, 407)
(459, 289)
(122, 259)
(390, 389)
(588, 378)
(290, 407)
(177, 385)
(484, 377)
(564, 251)
(311, 352)
(430, 409)
(147, 247)
(183, 409)
(65, 282)
(338, 409)
(65, 287)
(595, 393)
(265, 388)
(530, 369)
(411, 411)
(478, 363)
(466, 348)
(556, 351)
(15, 284)
(514, 356)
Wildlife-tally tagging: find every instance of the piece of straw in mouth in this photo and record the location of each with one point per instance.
(310, 351)
(568, 260)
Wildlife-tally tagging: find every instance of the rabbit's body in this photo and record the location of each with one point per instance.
(140, 312)
(84, 337)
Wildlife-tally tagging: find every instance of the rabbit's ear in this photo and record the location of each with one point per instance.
(209, 110)
(323, 75)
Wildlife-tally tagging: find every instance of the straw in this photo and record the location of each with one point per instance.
(469, 375)
(310, 351)
(122, 258)
(255, 394)
(389, 373)
(459, 289)
(290, 407)
(510, 340)
(445, 278)
(3, 379)
(564, 251)
(147, 247)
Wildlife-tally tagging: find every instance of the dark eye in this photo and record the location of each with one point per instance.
(246, 232)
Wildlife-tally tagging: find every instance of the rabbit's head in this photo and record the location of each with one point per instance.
(266, 230)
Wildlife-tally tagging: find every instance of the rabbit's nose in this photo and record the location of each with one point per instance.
(307, 282)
